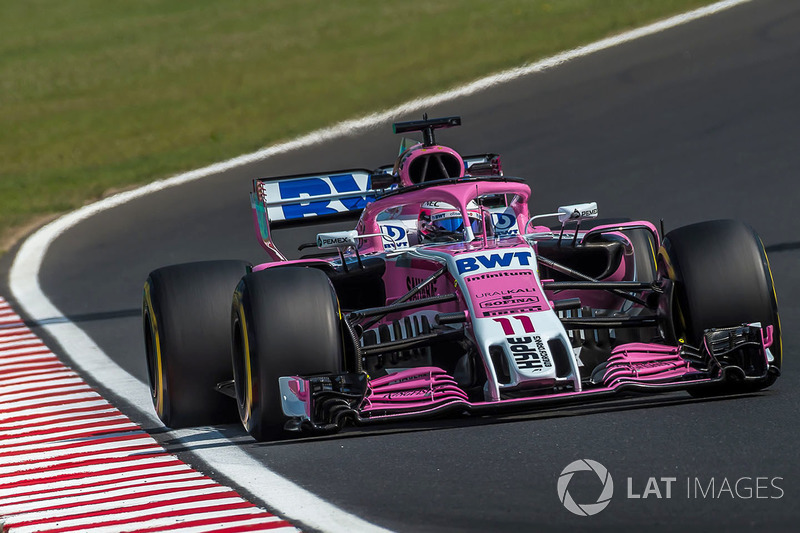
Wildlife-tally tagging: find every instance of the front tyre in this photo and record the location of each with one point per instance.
(285, 322)
(721, 278)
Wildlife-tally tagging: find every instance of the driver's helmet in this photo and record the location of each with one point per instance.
(441, 222)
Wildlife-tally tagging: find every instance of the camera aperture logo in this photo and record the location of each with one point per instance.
(585, 509)
(594, 478)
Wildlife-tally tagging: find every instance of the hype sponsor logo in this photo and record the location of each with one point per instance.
(493, 261)
(530, 353)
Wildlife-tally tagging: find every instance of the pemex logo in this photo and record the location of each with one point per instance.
(585, 509)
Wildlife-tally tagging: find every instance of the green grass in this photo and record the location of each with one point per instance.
(97, 95)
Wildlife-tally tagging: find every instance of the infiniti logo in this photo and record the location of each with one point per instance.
(585, 509)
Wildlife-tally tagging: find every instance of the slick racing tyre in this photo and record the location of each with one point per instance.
(186, 315)
(285, 322)
(721, 279)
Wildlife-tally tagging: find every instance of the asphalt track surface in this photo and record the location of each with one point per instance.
(699, 122)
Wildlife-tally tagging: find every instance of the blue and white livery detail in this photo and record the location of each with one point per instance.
(313, 196)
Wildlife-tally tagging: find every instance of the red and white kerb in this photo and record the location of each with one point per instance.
(71, 462)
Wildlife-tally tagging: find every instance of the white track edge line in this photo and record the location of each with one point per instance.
(279, 493)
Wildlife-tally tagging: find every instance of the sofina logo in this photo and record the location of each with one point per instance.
(585, 509)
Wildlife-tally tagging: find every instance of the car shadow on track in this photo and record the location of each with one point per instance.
(628, 403)
(228, 435)
(82, 317)
(782, 247)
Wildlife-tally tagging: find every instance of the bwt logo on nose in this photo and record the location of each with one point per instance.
(492, 261)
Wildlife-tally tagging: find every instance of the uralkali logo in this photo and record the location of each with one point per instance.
(585, 509)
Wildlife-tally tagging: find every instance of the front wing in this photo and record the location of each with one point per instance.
(731, 359)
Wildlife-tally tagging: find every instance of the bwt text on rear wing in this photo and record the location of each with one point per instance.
(295, 200)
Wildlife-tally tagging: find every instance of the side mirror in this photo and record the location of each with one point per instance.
(337, 239)
(382, 181)
(577, 212)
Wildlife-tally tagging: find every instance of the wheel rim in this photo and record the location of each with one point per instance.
(242, 368)
(777, 341)
(155, 370)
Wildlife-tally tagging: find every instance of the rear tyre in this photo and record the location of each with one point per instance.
(285, 322)
(186, 318)
(721, 278)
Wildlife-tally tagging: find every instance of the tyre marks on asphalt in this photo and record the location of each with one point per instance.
(71, 462)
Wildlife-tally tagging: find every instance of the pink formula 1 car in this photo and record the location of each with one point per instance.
(448, 297)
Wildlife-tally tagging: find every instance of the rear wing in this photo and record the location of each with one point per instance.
(305, 198)
(301, 197)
